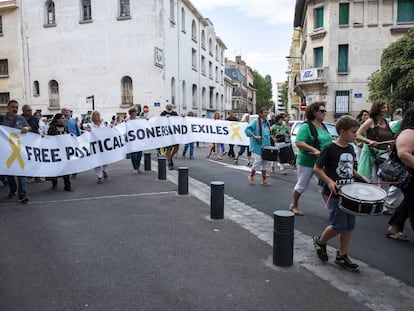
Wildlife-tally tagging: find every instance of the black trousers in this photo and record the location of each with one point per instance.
(66, 181)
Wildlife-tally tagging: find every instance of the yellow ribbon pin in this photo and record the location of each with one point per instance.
(236, 128)
(16, 146)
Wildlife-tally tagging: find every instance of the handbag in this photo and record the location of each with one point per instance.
(393, 170)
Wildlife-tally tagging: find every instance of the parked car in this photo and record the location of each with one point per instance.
(294, 128)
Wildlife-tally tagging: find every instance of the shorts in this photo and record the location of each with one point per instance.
(258, 163)
(304, 174)
(340, 221)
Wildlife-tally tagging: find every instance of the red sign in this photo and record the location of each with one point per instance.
(302, 106)
(145, 109)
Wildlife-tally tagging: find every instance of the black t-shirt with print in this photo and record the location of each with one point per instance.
(338, 163)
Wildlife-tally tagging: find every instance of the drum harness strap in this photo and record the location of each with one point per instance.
(259, 120)
(314, 133)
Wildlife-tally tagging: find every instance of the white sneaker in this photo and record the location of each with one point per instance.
(135, 172)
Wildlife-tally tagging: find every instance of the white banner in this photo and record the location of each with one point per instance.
(30, 154)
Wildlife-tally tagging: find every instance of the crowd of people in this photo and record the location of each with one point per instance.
(362, 144)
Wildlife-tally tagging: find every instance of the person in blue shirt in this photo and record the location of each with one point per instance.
(258, 131)
(72, 126)
(71, 123)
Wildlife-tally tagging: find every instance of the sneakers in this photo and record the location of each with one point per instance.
(170, 166)
(100, 181)
(251, 180)
(320, 249)
(346, 263)
(24, 200)
(11, 195)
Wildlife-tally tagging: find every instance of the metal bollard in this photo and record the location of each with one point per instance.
(147, 161)
(283, 238)
(183, 180)
(162, 168)
(217, 200)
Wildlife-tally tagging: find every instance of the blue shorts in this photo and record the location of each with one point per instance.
(340, 221)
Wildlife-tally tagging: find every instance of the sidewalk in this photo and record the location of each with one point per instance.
(133, 243)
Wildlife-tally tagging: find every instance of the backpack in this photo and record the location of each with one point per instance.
(314, 133)
(394, 171)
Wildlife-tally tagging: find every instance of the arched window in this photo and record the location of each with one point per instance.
(184, 97)
(194, 31)
(173, 91)
(86, 10)
(195, 95)
(217, 52)
(203, 39)
(50, 12)
(54, 94)
(127, 97)
(36, 89)
(210, 46)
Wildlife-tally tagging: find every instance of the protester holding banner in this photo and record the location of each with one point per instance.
(100, 171)
(12, 119)
(215, 147)
(58, 127)
(173, 149)
(72, 125)
(259, 132)
(135, 156)
(245, 118)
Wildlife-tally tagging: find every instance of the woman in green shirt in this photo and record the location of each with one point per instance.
(309, 149)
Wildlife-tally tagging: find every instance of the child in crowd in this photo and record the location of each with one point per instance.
(335, 167)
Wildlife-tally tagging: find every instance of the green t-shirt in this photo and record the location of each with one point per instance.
(396, 126)
(304, 135)
(279, 130)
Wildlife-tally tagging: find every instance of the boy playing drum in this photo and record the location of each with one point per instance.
(335, 167)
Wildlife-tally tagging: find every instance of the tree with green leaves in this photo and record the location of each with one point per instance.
(263, 88)
(394, 81)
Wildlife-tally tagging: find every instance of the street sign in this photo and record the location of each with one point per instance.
(145, 109)
(302, 106)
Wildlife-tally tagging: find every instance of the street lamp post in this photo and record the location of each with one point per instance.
(92, 99)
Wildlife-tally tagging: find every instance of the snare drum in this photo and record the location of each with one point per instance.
(286, 154)
(270, 153)
(362, 199)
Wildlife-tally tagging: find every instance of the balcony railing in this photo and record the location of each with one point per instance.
(312, 75)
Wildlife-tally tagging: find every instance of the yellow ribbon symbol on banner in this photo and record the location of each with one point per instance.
(16, 146)
(236, 128)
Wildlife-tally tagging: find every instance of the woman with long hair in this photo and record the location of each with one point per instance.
(101, 171)
(58, 127)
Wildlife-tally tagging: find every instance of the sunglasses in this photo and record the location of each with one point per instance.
(322, 110)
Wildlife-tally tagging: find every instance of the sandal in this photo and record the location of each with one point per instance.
(295, 210)
(398, 236)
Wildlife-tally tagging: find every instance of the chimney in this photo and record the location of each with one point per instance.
(238, 59)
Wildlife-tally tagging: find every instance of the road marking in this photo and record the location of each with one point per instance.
(370, 286)
(95, 198)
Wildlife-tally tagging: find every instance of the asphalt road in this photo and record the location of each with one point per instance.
(369, 243)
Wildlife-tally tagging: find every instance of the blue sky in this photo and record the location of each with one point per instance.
(260, 31)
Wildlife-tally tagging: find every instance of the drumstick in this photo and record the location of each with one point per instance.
(327, 201)
(385, 142)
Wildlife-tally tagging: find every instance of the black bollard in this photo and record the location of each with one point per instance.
(183, 180)
(217, 200)
(283, 238)
(162, 168)
(147, 161)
